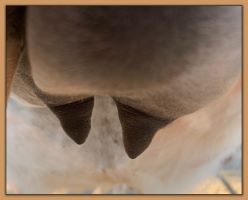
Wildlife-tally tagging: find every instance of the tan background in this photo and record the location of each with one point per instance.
(120, 2)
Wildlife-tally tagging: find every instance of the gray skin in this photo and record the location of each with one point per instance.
(164, 62)
(168, 60)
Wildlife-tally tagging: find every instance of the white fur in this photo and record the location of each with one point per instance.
(177, 70)
(42, 159)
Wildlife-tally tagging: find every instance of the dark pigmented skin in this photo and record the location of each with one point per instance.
(138, 128)
(103, 51)
(75, 118)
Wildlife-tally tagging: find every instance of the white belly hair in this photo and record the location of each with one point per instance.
(42, 159)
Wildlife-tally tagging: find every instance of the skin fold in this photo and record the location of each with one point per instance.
(157, 84)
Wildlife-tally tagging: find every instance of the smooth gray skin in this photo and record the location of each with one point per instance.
(165, 60)
(198, 58)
